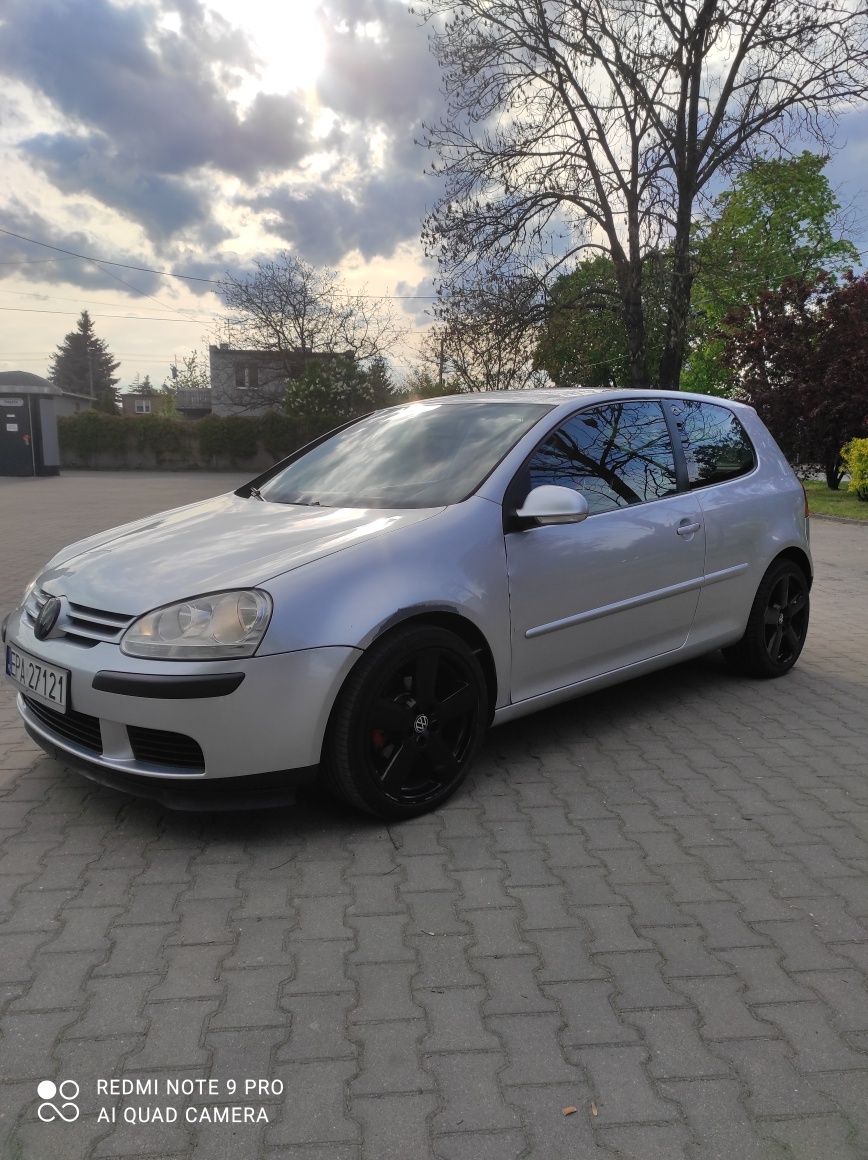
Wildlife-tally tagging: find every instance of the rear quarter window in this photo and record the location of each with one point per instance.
(716, 445)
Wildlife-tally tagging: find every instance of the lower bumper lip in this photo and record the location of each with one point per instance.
(171, 688)
(252, 792)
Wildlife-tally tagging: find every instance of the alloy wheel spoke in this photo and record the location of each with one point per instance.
(791, 637)
(441, 758)
(797, 604)
(425, 677)
(784, 596)
(391, 716)
(401, 765)
(774, 647)
(457, 704)
(771, 615)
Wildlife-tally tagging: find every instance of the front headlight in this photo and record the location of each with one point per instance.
(31, 585)
(222, 624)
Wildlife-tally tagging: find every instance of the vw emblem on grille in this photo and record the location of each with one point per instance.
(421, 723)
(47, 618)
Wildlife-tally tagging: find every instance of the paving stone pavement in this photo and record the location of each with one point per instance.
(650, 905)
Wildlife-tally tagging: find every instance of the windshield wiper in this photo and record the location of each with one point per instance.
(256, 493)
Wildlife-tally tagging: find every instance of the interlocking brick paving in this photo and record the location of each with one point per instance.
(650, 905)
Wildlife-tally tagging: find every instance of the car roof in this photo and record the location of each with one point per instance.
(558, 396)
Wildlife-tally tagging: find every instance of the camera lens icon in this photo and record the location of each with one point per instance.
(67, 1092)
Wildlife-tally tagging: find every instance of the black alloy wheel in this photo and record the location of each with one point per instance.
(778, 623)
(785, 620)
(407, 723)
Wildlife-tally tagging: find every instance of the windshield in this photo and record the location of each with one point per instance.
(420, 455)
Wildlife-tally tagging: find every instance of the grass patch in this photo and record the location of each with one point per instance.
(825, 502)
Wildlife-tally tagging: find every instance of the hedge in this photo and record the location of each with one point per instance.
(92, 439)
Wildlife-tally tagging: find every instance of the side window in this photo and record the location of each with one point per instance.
(615, 455)
(715, 444)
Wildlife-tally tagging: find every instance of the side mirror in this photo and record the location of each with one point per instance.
(548, 504)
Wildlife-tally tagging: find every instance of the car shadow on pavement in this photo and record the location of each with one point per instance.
(587, 722)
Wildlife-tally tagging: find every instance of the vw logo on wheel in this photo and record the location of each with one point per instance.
(47, 618)
(421, 724)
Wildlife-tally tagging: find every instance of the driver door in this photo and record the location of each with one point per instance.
(623, 585)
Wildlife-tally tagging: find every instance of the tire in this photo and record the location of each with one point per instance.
(777, 625)
(407, 724)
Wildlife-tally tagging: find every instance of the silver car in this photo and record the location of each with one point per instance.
(363, 611)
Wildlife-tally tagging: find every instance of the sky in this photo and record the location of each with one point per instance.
(196, 135)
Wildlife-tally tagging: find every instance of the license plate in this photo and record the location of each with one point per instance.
(37, 679)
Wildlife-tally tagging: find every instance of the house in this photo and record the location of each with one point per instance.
(189, 404)
(245, 382)
(193, 403)
(138, 403)
(251, 382)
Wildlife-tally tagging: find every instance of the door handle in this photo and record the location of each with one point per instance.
(687, 529)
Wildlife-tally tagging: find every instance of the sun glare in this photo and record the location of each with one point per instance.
(288, 39)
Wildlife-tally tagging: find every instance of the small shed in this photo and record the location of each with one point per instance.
(28, 425)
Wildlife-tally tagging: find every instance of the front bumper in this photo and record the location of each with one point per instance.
(273, 720)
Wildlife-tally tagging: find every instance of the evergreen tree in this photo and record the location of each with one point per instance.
(84, 364)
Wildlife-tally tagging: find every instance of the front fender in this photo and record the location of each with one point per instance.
(452, 563)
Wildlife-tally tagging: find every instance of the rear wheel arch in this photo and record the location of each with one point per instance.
(800, 558)
(778, 621)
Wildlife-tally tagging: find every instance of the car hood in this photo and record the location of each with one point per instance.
(225, 542)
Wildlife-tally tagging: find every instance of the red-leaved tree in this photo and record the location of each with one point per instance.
(800, 354)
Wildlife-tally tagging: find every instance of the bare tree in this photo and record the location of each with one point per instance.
(486, 333)
(598, 124)
(295, 310)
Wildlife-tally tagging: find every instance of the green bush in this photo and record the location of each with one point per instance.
(855, 456)
(221, 441)
(92, 433)
(159, 435)
(280, 434)
(231, 436)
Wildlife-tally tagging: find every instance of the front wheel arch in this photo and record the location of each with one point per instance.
(358, 770)
(453, 622)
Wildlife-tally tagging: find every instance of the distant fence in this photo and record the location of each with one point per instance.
(216, 443)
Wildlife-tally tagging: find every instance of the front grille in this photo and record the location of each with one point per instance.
(80, 623)
(157, 747)
(76, 727)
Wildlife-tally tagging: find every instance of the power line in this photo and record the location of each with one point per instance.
(91, 301)
(108, 262)
(136, 317)
(33, 261)
(171, 274)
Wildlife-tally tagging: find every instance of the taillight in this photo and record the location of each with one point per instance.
(807, 505)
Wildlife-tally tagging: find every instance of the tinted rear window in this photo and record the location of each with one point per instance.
(716, 446)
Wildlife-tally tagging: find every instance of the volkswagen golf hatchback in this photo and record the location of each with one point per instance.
(366, 609)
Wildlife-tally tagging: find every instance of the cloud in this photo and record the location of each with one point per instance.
(21, 259)
(386, 76)
(163, 205)
(149, 108)
(146, 120)
(418, 299)
(373, 216)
